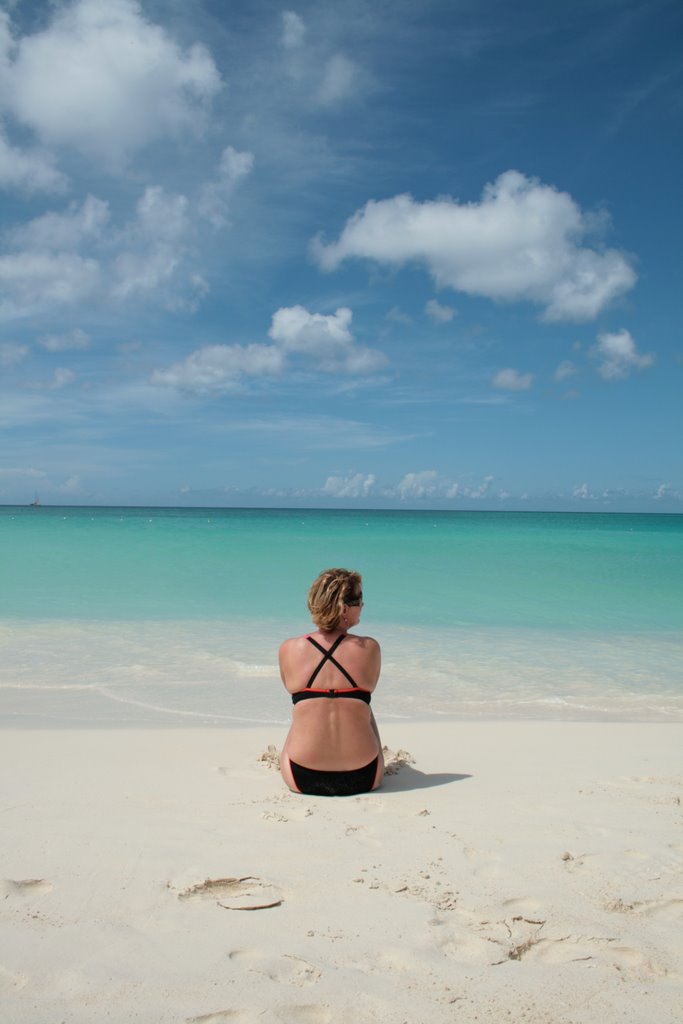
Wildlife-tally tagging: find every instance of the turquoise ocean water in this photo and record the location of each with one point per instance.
(174, 616)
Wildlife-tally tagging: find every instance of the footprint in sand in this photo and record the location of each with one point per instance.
(570, 948)
(24, 886)
(395, 963)
(363, 835)
(523, 938)
(246, 893)
(672, 908)
(491, 942)
(290, 969)
(11, 982)
(577, 862)
(523, 906)
(307, 1013)
(286, 810)
(457, 938)
(486, 865)
(661, 908)
(226, 1017)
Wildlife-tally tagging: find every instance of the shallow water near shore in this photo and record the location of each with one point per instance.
(174, 616)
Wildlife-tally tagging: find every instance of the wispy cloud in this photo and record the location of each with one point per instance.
(293, 30)
(219, 368)
(438, 312)
(512, 380)
(565, 370)
(216, 195)
(11, 354)
(73, 340)
(618, 356)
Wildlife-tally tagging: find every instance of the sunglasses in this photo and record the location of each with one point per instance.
(354, 602)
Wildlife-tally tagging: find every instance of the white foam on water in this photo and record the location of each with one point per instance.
(174, 673)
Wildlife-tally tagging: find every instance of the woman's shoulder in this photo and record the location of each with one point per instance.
(367, 642)
(292, 643)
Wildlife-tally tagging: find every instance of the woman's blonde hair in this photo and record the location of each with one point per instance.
(328, 595)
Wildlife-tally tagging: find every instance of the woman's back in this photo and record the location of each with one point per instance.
(300, 659)
(331, 732)
(333, 746)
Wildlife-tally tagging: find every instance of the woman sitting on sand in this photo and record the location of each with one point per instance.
(333, 747)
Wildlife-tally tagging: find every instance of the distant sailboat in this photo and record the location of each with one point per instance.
(35, 503)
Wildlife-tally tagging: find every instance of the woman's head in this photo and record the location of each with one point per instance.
(333, 589)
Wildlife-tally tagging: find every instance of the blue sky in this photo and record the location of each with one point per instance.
(393, 254)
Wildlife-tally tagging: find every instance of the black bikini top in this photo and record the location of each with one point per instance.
(328, 655)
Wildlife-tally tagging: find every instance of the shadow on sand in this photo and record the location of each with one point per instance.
(411, 778)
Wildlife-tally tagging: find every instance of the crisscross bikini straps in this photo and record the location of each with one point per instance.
(328, 656)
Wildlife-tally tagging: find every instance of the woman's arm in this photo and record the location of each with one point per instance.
(373, 725)
(284, 661)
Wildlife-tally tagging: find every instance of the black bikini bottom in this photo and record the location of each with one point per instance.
(315, 783)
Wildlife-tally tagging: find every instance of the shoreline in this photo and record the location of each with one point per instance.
(523, 868)
(183, 723)
(219, 674)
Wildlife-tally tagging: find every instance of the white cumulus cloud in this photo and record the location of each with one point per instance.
(104, 79)
(42, 267)
(512, 380)
(218, 368)
(324, 340)
(357, 485)
(327, 339)
(29, 170)
(482, 490)
(618, 355)
(297, 330)
(428, 484)
(32, 281)
(154, 245)
(521, 242)
(77, 255)
(78, 224)
(418, 485)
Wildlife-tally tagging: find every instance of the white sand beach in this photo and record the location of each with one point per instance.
(515, 871)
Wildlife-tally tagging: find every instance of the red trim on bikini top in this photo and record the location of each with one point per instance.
(331, 692)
